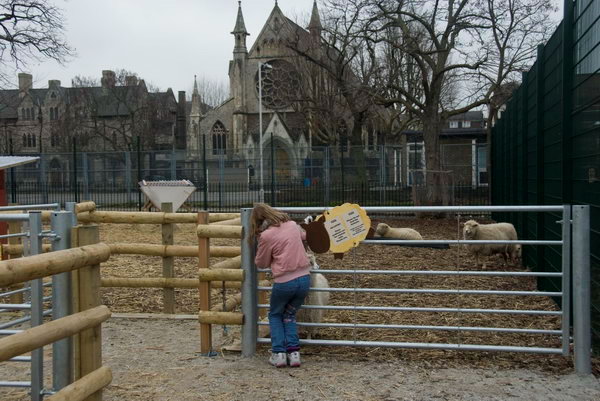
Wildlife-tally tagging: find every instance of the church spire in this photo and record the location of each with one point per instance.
(196, 111)
(195, 85)
(315, 26)
(240, 32)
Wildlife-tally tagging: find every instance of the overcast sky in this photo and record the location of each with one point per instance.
(165, 42)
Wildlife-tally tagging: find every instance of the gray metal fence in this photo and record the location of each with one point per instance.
(33, 235)
(231, 179)
(575, 254)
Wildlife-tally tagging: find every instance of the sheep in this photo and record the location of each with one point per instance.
(320, 298)
(472, 230)
(516, 254)
(383, 230)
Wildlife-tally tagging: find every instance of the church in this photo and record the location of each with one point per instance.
(294, 147)
(232, 130)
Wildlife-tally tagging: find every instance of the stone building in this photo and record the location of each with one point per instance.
(232, 131)
(99, 118)
(102, 121)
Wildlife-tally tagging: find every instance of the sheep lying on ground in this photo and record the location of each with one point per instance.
(383, 230)
(320, 298)
(472, 230)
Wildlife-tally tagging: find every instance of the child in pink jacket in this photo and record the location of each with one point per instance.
(280, 247)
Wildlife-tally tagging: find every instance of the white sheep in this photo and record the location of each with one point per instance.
(472, 230)
(320, 298)
(383, 230)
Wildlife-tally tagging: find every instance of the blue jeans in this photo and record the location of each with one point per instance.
(286, 299)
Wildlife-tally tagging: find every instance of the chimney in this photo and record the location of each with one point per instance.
(131, 80)
(108, 79)
(53, 82)
(25, 81)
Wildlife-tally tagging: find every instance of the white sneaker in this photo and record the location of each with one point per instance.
(278, 359)
(294, 359)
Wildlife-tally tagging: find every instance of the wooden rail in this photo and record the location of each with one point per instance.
(148, 217)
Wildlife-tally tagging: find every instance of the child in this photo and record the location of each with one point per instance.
(280, 247)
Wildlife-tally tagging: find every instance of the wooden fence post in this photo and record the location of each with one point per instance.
(204, 287)
(89, 352)
(168, 271)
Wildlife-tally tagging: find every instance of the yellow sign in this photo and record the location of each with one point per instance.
(346, 225)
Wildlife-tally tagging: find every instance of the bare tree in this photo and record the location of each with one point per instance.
(113, 113)
(460, 62)
(30, 30)
(212, 92)
(345, 66)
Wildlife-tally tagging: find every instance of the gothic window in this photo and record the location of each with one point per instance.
(23, 113)
(32, 113)
(53, 95)
(280, 84)
(33, 139)
(219, 138)
(28, 113)
(24, 140)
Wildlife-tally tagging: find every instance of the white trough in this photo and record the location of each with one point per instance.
(174, 191)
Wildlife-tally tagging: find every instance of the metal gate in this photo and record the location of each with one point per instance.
(33, 305)
(574, 250)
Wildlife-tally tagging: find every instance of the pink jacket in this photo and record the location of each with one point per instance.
(281, 248)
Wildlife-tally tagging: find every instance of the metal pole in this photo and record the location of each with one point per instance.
(249, 289)
(37, 317)
(86, 173)
(43, 181)
(173, 164)
(566, 279)
(75, 188)
(62, 350)
(204, 173)
(327, 177)
(128, 176)
(581, 289)
(273, 199)
(260, 124)
(70, 207)
(139, 171)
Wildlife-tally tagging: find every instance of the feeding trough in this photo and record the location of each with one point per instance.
(175, 192)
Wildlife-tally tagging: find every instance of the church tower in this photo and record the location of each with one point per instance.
(314, 27)
(195, 117)
(237, 79)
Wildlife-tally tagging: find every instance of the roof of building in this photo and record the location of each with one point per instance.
(476, 115)
(13, 161)
(452, 132)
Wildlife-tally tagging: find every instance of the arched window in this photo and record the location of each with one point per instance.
(32, 113)
(219, 138)
(28, 112)
(24, 140)
(22, 113)
(33, 140)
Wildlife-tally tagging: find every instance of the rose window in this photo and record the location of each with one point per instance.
(280, 83)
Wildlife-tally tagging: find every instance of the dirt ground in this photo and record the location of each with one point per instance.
(158, 359)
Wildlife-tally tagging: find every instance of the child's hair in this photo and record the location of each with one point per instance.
(263, 212)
